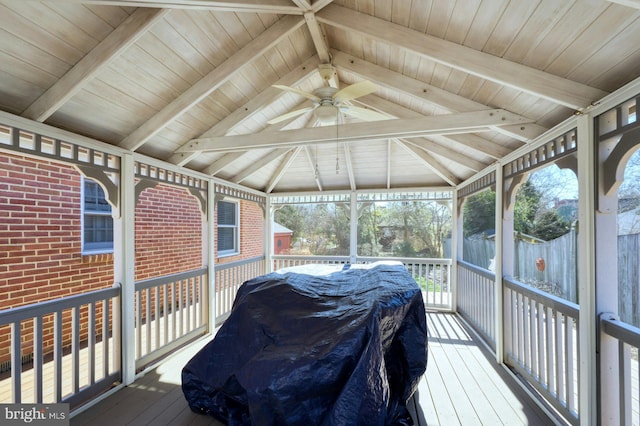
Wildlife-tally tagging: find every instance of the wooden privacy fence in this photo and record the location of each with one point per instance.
(629, 278)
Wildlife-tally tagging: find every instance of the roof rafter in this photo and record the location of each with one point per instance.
(629, 3)
(126, 34)
(257, 165)
(347, 160)
(282, 168)
(247, 110)
(376, 130)
(425, 92)
(212, 81)
(224, 162)
(468, 140)
(430, 162)
(521, 77)
(283, 7)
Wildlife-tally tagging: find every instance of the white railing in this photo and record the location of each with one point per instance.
(541, 343)
(288, 261)
(169, 312)
(85, 326)
(476, 300)
(432, 275)
(229, 278)
(628, 338)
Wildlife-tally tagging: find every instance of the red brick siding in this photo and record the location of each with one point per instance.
(168, 229)
(40, 242)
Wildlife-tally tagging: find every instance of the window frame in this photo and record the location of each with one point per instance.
(93, 247)
(236, 230)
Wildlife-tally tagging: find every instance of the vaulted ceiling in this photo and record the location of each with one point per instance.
(458, 83)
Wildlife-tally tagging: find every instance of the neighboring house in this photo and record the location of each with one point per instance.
(281, 239)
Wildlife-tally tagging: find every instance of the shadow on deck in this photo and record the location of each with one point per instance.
(463, 386)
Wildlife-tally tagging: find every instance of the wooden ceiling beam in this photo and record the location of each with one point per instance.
(441, 124)
(282, 168)
(260, 163)
(318, 37)
(257, 103)
(224, 162)
(212, 81)
(629, 3)
(493, 68)
(282, 7)
(457, 157)
(429, 161)
(425, 92)
(468, 140)
(349, 164)
(120, 39)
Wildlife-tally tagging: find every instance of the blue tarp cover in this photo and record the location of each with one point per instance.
(315, 345)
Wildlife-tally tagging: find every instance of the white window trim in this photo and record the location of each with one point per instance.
(84, 250)
(235, 251)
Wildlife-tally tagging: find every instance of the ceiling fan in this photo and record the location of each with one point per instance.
(329, 101)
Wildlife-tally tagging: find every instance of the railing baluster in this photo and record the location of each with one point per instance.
(105, 337)
(57, 355)
(91, 342)
(16, 363)
(37, 359)
(147, 321)
(156, 317)
(75, 349)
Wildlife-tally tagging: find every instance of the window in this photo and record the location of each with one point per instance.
(228, 228)
(97, 222)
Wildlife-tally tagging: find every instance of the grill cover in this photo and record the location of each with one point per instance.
(315, 345)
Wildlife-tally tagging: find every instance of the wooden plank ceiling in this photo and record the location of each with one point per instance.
(459, 83)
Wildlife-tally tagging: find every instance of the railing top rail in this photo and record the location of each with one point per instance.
(564, 306)
(298, 256)
(21, 313)
(621, 331)
(477, 270)
(410, 260)
(166, 279)
(223, 266)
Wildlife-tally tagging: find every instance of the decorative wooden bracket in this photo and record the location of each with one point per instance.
(102, 177)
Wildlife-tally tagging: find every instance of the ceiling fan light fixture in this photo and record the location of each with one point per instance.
(326, 114)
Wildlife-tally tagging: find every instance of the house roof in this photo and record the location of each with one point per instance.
(191, 82)
(281, 229)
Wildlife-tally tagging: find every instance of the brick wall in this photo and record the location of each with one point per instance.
(40, 243)
(40, 240)
(168, 229)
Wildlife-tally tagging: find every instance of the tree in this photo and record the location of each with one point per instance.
(550, 225)
(525, 209)
(479, 213)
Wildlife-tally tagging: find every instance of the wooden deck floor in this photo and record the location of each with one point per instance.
(462, 386)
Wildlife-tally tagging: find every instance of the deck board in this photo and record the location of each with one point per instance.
(462, 386)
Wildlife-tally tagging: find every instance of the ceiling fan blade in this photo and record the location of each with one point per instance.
(364, 113)
(307, 95)
(355, 91)
(291, 114)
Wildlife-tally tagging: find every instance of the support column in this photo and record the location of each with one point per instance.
(500, 238)
(209, 255)
(268, 230)
(456, 244)
(587, 329)
(124, 266)
(354, 214)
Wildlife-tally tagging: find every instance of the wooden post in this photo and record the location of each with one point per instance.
(587, 330)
